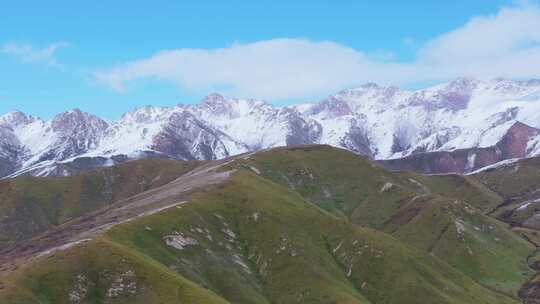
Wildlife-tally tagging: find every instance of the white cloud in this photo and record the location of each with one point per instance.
(273, 69)
(26, 53)
(506, 44)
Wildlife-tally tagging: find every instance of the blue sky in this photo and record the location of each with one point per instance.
(107, 57)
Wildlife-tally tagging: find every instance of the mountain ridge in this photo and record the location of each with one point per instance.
(311, 223)
(377, 121)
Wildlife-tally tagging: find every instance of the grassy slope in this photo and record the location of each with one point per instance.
(423, 211)
(517, 183)
(251, 241)
(481, 247)
(334, 179)
(30, 205)
(101, 271)
(513, 180)
(462, 187)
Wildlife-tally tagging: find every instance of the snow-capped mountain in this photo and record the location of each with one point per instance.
(464, 113)
(36, 145)
(501, 116)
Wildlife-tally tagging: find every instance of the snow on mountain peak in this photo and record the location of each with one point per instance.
(370, 86)
(75, 120)
(379, 121)
(16, 118)
(218, 106)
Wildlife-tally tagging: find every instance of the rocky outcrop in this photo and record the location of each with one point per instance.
(186, 137)
(514, 144)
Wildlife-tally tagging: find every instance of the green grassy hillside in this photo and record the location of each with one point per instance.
(310, 224)
(518, 184)
(101, 271)
(444, 215)
(248, 241)
(31, 205)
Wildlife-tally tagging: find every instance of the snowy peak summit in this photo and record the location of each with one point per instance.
(381, 122)
(74, 121)
(220, 106)
(16, 118)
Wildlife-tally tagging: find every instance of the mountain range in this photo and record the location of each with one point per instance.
(298, 224)
(459, 126)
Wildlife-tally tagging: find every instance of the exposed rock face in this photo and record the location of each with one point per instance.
(457, 161)
(357, 140)
(514, 144)
(217, 105)
(10, 150)
(77, 133)
(466, 123)
(186, 137)
(332, 107)
(301, 131)
(16, 118)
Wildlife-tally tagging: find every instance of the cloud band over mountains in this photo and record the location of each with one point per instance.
(506, 44)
